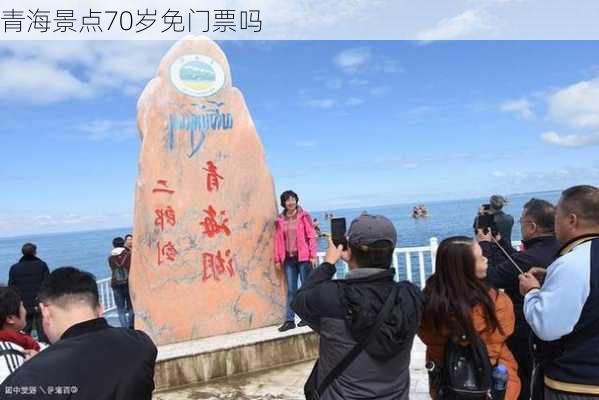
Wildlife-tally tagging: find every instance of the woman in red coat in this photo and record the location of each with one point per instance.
(295, 248)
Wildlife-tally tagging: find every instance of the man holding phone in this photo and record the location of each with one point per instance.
(540, 247)
(344, 312)
(564, 311)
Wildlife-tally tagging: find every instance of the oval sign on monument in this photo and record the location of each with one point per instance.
(197, 75)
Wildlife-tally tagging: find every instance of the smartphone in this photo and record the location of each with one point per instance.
(338, 229)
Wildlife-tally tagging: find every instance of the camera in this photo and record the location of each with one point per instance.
(486, 220)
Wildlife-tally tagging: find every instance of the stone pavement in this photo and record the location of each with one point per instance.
(284, 383)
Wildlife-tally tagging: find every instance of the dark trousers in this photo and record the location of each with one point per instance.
(124, 307)
(551, 394)
(519, 345)
(35, 318)
(294, 270)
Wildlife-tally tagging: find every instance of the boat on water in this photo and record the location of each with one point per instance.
(419, 211)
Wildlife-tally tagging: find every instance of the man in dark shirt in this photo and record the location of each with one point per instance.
(87, 359)
(26, 278)
(540, 248)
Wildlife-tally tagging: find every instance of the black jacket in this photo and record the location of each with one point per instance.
(100, 362)
(343, 312)
(26, 278)
(504, 223)
(538, 252)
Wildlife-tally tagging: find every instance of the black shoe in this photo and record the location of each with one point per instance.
(302, 323)
(286, 326)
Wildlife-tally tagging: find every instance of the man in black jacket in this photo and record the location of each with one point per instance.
(344, 311)
(540, 247)
(88, 359)
(26, 278)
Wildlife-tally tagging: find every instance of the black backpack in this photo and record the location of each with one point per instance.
(466, 372)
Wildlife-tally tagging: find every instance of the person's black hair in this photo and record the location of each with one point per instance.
(10, 304)
(118, 242)
(376, 255)
(288, 194)
(127, 236)
(454, 289)
(542, 213)
(497, 202)
(29, 249)
(582, 200)
(68, 285)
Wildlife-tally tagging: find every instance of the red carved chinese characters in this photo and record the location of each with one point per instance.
(212, 227)
(215, 265)
(162, 187)
(212, 178)
(167, 214)
(167, 251)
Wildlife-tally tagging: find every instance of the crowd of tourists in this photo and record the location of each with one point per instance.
(498, 322)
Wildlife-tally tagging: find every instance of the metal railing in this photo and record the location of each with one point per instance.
(414, 264)
(106, 296)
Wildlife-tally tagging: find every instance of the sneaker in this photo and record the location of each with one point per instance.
(286, 326)
(302, 323)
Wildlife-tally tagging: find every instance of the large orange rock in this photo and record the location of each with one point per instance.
(204, 205)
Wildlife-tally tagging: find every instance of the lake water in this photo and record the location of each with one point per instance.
(89, 250)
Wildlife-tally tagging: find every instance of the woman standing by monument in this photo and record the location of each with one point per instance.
(295, 249)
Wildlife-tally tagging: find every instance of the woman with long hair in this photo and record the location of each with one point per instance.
(295, 249)
(459, 303)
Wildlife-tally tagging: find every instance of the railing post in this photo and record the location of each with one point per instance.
(421, 269)
(434, 243)
(395, 265)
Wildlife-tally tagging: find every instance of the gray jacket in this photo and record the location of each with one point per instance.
(343, 312)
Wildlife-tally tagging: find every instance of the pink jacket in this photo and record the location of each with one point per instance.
(306, 238)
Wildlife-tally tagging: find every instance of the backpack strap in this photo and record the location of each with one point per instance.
(357, 349)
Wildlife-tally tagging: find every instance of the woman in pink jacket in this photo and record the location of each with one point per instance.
(295, 249)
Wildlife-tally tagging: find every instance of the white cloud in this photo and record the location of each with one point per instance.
(18, 224)
(38, 82)
(498, 174)
(351, 60)
(576, 105)
(573, 140)
(410, 165)
(467, 23)
(362, 60)
(522, 108)
(353, 101)
(421, 110)
(46, 72)
(320, 103)
(110, 129)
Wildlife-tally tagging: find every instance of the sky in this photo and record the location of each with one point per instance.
(343, 123)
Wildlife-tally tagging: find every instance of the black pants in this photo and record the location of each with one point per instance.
(551, 394)
(35, 317)
(519, 345)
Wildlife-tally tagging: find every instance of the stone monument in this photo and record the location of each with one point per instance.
(205, 205)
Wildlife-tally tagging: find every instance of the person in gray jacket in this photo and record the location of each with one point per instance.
(344, 312)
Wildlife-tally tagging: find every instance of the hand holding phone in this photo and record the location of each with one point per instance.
(338, 232)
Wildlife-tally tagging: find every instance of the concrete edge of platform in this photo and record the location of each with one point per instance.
(200, 364)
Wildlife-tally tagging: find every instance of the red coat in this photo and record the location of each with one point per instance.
(306, 237)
